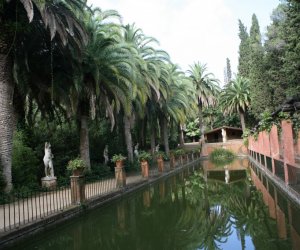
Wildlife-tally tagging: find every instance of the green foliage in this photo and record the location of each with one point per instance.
(227, 73)
(244, 51)
(266, 121)
(192, 128)
(179, 152)
(58, 136)
(274, 66)
(133, 166)
(144, 156)
(160, 154)
(118, 157)
(25, 164)
(245, 136)
(221, 156)
(296, 124)
(97, 172)
(77, 163)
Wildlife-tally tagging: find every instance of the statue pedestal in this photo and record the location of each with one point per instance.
(49, 182)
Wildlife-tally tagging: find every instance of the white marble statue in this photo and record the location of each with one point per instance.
(224, 135)
(157, 148)
(105, 155)
(48, 163)
(136, 150)
(227, 176)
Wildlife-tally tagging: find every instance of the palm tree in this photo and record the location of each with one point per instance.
(207, 89)
(146, 83)
(236, 98)
(57, 16)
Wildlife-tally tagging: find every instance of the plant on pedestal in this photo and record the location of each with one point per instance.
(160, 156)
(144, 158)
(118, 159)
(77, 166)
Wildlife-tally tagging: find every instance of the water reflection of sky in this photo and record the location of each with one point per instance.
(234, 242)
(178, 213)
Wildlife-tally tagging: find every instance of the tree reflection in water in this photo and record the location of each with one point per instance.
(181, 212)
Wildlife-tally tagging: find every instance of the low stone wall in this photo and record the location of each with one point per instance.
(278, 151)
(237, 146)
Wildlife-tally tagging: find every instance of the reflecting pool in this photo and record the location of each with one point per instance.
(203, 207)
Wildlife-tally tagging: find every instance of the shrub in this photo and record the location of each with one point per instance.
(25, 164)
(144, 156)
(160, 154)
(221, 156)
(118, 157)
(77, 163)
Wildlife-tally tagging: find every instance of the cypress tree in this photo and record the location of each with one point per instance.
(227, 72)
(291, 65)
(259, 90)
(275, 47)
(244, 51)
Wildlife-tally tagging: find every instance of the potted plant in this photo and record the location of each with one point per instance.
(160, 156)
(77, 166)
(118, 159)
(143, 158)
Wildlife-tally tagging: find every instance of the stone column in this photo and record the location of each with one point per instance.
(281, 222)
(172, 161)
(120, 176)
(274, 146)
(266, 143)
(160, 164)
(288, 153)
(77, 189)
(145, 169)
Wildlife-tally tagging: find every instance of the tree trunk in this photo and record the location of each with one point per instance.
(128, 137)
(201, 125)
(6, 115)
(165, 135)
(181, 135)
(152, 139)
(242, 118)
(143, 129)
(84, 141)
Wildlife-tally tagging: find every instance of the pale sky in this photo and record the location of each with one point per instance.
(194, 30)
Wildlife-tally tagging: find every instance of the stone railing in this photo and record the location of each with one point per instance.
(278, 151)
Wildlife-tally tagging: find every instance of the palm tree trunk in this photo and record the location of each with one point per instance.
(242, 118)
(201, 124)
(128, 137)
(142, 138)
(84, 141)
(165, 135)
(152, 140)
(6, 115)
(181, 135)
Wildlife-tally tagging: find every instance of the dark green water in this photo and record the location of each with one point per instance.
(181, 212)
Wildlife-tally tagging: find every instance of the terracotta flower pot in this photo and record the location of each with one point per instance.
(78, 172)
(160, 164)
(119, 164)
(145, 169)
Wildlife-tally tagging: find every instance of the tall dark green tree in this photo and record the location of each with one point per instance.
(57, 17)
(275, 47)
(259, 90)
(227, 72)
(244, 51)
(292, 53)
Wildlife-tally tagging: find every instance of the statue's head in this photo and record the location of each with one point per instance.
(47, 145)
